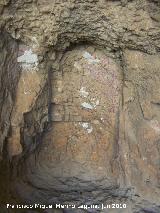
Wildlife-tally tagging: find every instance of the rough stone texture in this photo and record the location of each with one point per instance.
(141, 120)
(29, 86)
(85, 123)
(9, 76)
(9, 72)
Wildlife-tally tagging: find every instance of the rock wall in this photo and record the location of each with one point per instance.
(9, 73)
(84, 116)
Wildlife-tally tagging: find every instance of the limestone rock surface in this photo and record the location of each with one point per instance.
(80, 103)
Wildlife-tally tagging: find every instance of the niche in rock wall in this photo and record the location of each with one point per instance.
(79, 150)
(86, 93)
